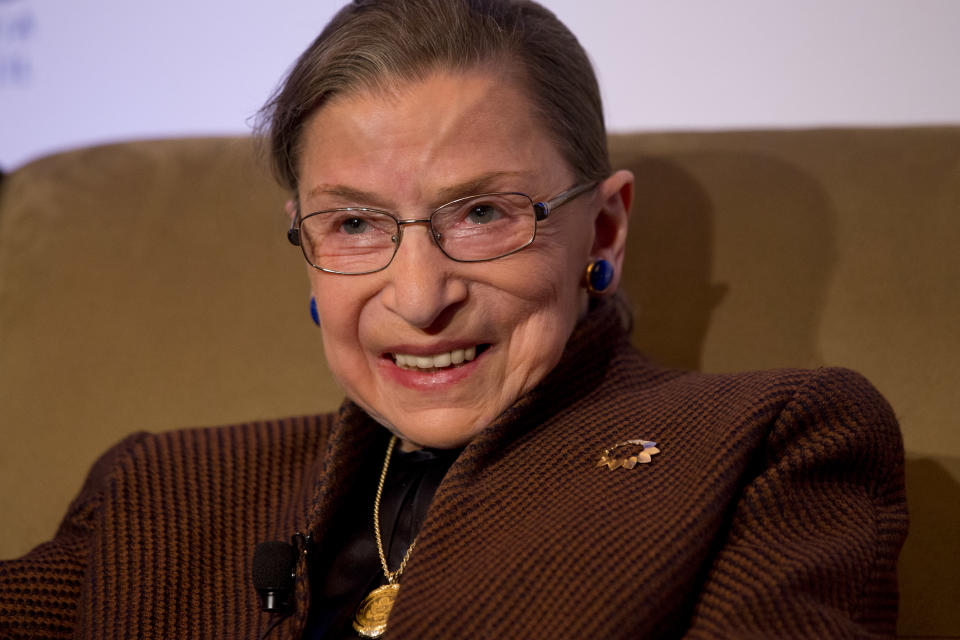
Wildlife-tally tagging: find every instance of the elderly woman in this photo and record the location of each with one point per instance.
(505, 464)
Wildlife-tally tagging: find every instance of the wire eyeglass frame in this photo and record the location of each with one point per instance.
(541, 210)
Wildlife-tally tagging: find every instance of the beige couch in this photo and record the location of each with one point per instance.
(149, 285)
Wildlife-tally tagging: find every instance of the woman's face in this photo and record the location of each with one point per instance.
(409, 151)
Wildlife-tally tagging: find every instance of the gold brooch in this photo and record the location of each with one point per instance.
(628, 454)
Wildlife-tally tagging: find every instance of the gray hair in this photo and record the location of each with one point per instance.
(370, 44)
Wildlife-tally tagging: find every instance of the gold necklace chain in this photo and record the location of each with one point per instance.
(392, 576)
(370, 621)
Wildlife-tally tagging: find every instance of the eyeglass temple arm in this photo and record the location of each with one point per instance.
(543, 209)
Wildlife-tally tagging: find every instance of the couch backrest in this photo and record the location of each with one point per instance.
(149, 285)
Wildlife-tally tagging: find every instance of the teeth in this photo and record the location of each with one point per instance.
(438, 361)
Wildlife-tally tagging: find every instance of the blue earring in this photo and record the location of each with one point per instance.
(599, 276)
(314, 314)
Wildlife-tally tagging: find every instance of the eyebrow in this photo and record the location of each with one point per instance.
(479, 184)
(348, 194)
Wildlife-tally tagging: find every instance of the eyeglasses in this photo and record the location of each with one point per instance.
(359, 240)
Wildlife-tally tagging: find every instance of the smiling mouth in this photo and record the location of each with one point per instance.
(438, 361)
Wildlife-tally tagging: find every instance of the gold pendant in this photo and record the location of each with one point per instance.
(371, 618)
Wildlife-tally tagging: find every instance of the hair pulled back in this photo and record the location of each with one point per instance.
(376, 44)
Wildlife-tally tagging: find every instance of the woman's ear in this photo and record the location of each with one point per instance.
(290, 206)
(615, 196)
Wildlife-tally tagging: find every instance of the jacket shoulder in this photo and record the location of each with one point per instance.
(191, 480)
(824, 393)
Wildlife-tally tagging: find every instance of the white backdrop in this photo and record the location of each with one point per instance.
(75, 72)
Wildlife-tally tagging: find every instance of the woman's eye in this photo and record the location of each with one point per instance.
(482, 214)
(354, 225)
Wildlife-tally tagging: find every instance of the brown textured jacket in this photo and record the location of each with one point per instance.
(774, 509)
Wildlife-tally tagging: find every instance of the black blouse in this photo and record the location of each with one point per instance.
(343, 576)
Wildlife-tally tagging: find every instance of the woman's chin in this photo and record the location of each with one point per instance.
(436, 428)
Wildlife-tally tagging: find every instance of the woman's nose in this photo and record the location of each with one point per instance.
(422, 284)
